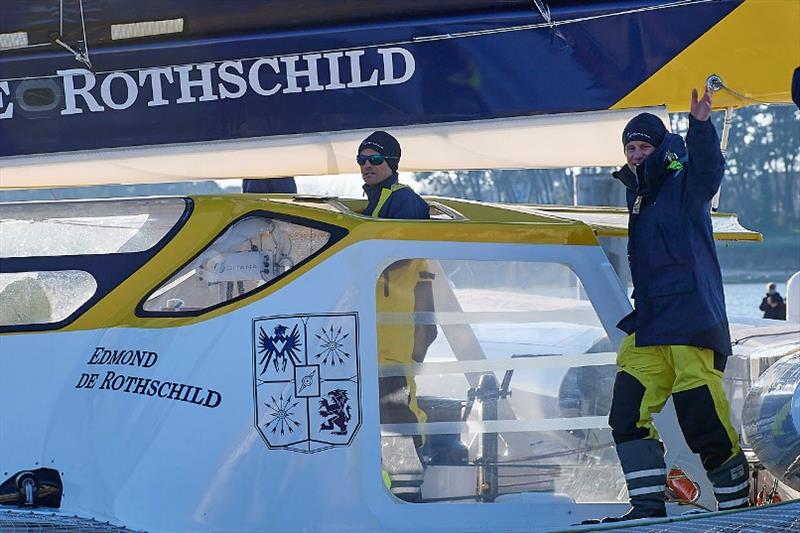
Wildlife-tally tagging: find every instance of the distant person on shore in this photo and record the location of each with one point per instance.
(678, 339)
(270, 185)
(773, 305)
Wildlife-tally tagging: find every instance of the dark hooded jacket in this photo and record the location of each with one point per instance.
(678, 294)
(402, 203)
(776, 313)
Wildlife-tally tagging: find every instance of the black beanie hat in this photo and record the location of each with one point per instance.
(644, 127)
(384, 144)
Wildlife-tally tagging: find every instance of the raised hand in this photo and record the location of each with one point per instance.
(701, 109)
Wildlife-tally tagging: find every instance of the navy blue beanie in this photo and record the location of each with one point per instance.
(384, 144)
(644, 127)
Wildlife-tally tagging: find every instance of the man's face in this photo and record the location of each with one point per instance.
(374, 174)
(636, 152)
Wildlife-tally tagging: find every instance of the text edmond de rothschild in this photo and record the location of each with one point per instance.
(114, 380)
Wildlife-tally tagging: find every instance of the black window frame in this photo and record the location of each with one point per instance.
(337, 233)
(109, 270)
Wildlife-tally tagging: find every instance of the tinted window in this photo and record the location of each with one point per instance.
(251, 253)
(43, 297)
(496, 379)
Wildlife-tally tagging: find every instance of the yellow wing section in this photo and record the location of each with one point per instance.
(613, 221)
(754, 50)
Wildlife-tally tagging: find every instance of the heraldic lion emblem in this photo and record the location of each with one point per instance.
(336, 411)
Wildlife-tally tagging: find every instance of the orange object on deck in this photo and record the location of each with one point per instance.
(681, 486)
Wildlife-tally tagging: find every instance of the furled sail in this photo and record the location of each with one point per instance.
(266, 82)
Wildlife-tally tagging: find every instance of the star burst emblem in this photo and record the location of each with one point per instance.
(282, 413)
(332, 344)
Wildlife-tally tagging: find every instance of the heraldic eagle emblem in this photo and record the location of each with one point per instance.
(279, 347)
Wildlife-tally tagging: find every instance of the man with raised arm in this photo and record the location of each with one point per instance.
(678, 339)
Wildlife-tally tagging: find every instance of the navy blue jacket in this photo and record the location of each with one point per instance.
(678, 295)
(403, 203)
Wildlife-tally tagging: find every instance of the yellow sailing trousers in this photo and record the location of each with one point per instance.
(648, 375)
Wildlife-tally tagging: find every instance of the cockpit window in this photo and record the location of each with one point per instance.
(85, 227)
(43, 297)
(495, 382)
(247, 256)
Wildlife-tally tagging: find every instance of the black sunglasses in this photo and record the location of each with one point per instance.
(374, 159)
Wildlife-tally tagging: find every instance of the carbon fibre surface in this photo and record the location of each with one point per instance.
(781, 518)
(24, 521)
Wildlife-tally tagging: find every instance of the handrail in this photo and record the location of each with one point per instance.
(525, 362)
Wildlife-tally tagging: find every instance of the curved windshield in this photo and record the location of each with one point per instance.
(84, 227)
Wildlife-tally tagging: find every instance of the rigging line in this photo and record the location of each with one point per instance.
(539, 25)
(85, 40)
(759, 335)
(742, 96)
(37, 45)
(544, 11)
(56, 38)
(687, 502)
(415, 40)
(726, 130)
(715, 83)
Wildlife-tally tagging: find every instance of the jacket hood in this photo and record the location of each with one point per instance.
(653, 170)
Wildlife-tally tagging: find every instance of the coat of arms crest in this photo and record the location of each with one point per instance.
(306, 381)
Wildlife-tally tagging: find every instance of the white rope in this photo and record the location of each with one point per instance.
(715, 83)
(82, 57)
(85, 40)
(554, 24)
(544, 11)
(726, 130)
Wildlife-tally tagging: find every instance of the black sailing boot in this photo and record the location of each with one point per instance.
(731, 482)
(646, 477)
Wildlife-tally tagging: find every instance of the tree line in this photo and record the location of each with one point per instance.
(761, 183)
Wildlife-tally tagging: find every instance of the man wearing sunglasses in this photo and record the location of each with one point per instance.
(378, 157)
(404, 287)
